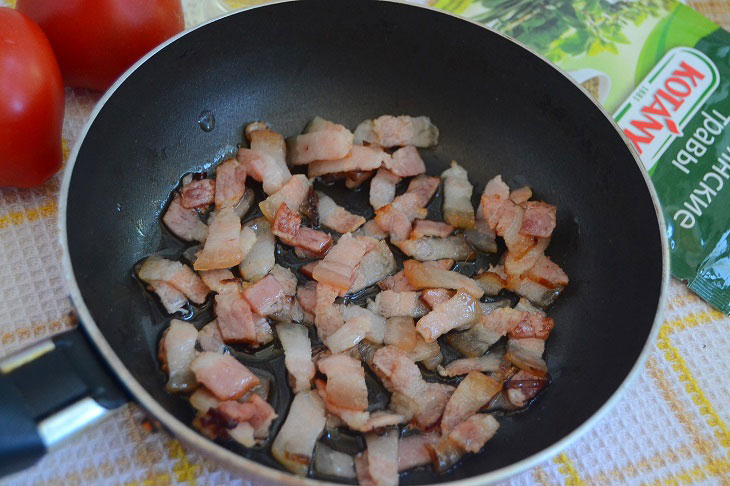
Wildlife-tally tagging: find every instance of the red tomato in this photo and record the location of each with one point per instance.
(97, 40)
(31, 103)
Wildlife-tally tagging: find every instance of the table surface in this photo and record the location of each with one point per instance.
(669, 428)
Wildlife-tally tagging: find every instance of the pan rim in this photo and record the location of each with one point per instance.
(244, 465)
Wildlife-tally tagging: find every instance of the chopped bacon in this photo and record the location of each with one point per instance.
(260, 137)
(424, 227)
(317, 124)
(223, 375)
(360, 159)
(330, 462)
(286, 224)
(177, 348)
(457, 208)
(470, 435)
(406, 162)
(424, 187)
(354, 419)
(521, 195)
(489, 362)
(357, 178)
(349, 334)
(535, 292)
(425, 249)
(337, 267)
(382, 188)
(532, 325)
(393, 304)
(266, 296)
(523, 387)
(222, 249)
(381, 458)
(401, 333)
(315, 243)
(327, 317)
(462, 309)
(361, 470)
(526, 354)
(376, 323)
(433, 297)
(264, 333)
(474, 391)
(294, 444)
(413, 450)
(420, 276)
(474, 432)
(400, 374)
(298, 355)
(482, 236)
(396, 217)
(286, 278)
(548, 273)
(499, 322)
(294, 193)
(308, 269)
(275, 173)
(235, 319)
(490, 282)
(210, 338)
(264, 168)
(475, 341)
(202, 400)
(184, 223)
(391, 131)
(336, 217)
(230, 183)
(371, 230)
(180, 276)
(170, 297)
(307, 296)
(198, 193)
(377, 264)
(516, 264)
(393, 221)
(428, 354)
(246, 241)
(260, 259)
(399, 282)
(494, 195)
(508, 227)
(539, 219)
(325, 144)
(255, 411)
(287, 228)
(381, 419)
(217, 280)
(346, 387)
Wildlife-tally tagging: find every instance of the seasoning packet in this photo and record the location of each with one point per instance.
(664, 71)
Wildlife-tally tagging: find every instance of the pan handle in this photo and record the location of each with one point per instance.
(49, 392)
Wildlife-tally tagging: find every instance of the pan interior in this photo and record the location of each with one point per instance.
(500, 109)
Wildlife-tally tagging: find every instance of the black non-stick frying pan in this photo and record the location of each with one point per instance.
(501, 110)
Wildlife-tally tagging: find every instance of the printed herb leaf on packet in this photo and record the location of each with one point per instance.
(664, 71)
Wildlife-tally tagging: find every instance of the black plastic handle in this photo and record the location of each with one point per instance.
(40, 383)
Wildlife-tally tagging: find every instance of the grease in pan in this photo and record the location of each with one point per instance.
(372, 305)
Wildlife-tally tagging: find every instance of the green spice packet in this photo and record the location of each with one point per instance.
(664, 70)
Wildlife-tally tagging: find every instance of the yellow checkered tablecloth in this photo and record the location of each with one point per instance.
(670, 427)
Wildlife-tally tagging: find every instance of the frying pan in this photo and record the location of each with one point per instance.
(501, 110)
